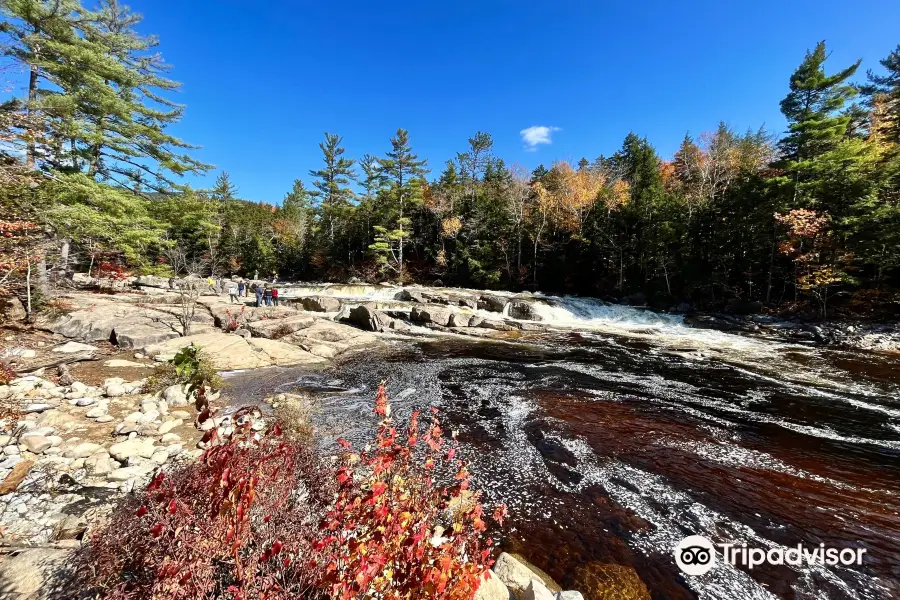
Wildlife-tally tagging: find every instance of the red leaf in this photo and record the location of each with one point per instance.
(141, 511)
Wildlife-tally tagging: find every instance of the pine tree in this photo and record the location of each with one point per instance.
(817, 127)
(403, 173)
(883, 95)
(224, 189)
(332, 184)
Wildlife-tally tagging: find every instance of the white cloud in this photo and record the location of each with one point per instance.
(537, 135)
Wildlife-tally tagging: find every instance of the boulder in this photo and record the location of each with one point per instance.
(114, 390)
(537, 591)
(737, 306)
(491, 303)
(491, 588)
(437, 315)
(463, 301)
(37, 574)
(523, 309)
(367, 318)
(36, 444)
(135, 472)
(83, 450)
(320, 304)
(517, 574)
(175, 396)
(99, 465)
(569, 595)
(135, 447)
(230, 352)
(407, 295)
(13, 310)
(636, 299)
(279, 328)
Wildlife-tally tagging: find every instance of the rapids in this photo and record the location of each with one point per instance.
(617, 431)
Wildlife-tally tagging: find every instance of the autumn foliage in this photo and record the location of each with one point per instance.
(260, 516)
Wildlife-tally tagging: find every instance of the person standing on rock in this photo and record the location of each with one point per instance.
(233, 292)
(259, 295)
(242, 289)
(274, 295)
(267, 294)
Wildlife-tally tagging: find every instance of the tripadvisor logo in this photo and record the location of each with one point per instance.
(696, 555)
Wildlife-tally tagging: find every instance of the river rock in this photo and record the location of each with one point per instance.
(37, 407)
(36, 444)
(569, 595)
(368, 318)
(523, 309)
(320, 304)
(135, 447)
(408, 295)
(437, 315)
(491, 303)
(99, 465)
(37, 574)
(169, 426)
(83, 450)
(126, 473)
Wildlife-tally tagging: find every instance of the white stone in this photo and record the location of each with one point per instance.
(160, 457)
(85, 401)
(84, 450)
(78, 387)
(492, 589)
(126, 473)
(5, 439)
(11, 451)
(98, 464)
(37, 408)
(134, 417)
(148, 406)
(96, 412)
(149, 417)
(570, 595)
(115, 390)
(175, 396)
(537, 591)
(141, 447)
(168, 426)
(36, 443)
(514, 573)
(170, 438)
(105, 419)
(174, 449)
(118, 363)
(55, 440)
(73, 347)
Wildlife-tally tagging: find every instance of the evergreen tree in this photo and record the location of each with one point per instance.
(402, 172)
(332, 185)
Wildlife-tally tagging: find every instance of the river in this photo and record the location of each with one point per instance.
(618, 432)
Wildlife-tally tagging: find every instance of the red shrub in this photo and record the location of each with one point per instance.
(394, 533)
(260, 517)
(234, 321)
(238, 524)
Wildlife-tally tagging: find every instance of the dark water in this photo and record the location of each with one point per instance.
(609, 448)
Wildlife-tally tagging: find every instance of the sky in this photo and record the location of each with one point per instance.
(262, 81)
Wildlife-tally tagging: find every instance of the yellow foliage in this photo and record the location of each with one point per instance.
(451, 226)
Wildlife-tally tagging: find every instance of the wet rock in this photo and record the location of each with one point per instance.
(636, 299)
(320, 304)
(491, 303)
(408, 295)
(523, 309)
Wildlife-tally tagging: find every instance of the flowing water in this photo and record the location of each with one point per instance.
(620, 431)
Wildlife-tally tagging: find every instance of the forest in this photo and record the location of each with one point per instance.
(91, 180)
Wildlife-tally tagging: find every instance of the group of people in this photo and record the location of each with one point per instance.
(266, 294)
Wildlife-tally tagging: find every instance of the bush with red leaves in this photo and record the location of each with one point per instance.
(394, 532)
(238, 524)
(260, 517)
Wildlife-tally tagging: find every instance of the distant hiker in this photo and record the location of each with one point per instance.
(242, 289)
(233, 292)
(259, 295)
(267, 294)
(274, 295)
(274, 278)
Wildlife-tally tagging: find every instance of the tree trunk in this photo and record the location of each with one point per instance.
(31, 151)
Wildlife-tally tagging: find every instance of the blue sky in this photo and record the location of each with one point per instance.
(264, 80)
